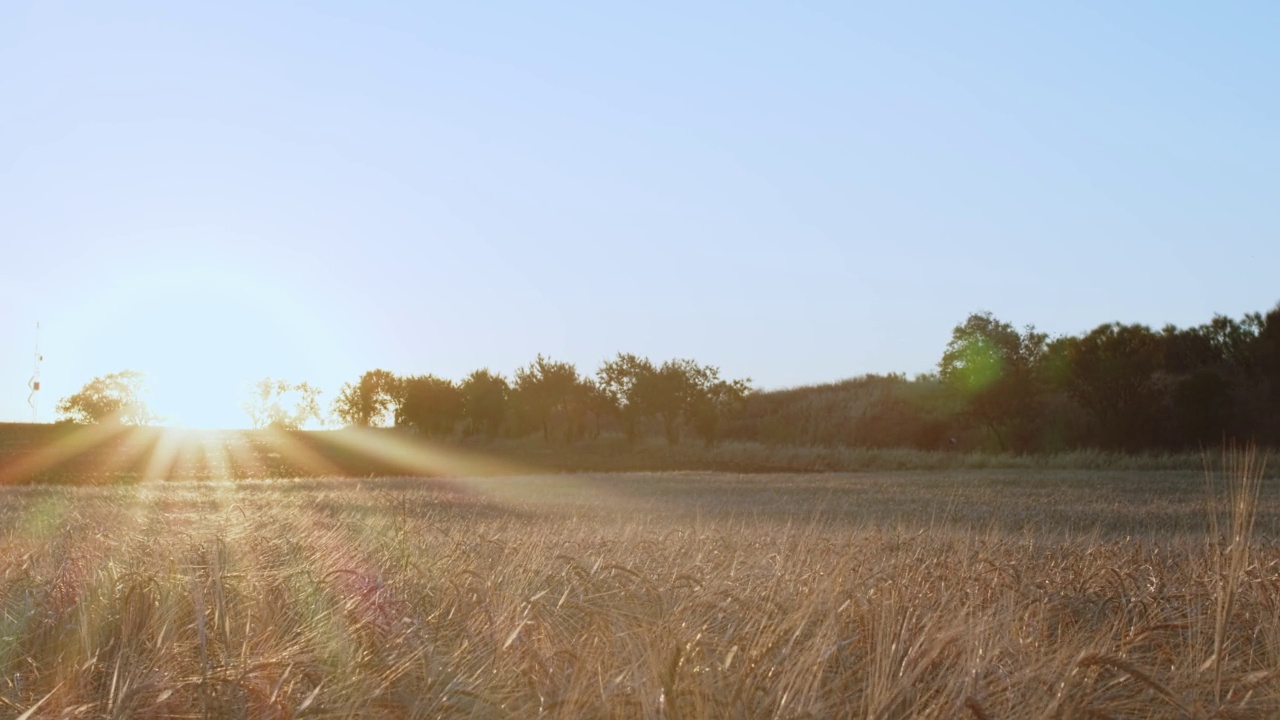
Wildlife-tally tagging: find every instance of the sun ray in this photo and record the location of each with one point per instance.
(296, 453)
(498, 480)
(131, 455)
(421, 457)
(218, 447)
(166, 453)
(64, 450)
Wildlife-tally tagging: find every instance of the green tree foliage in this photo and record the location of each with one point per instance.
(709, 399)
(1115, 387)
(1266, 359)
(623, 384)
(1120, 387)
(369, 401)
(484, 401)
(666, 394)
(596, 405)
(282, 404)
(429, 404)
(1113, 375)
(546, 388)
(306, 406)
(1214, 375)
(872, 411)
(996, 370)
(676, 393)
(110, 399)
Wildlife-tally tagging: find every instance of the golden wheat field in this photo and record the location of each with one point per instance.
(981, 594)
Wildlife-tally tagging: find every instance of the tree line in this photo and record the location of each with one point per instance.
(1122, 387)
(629, 394)
(1118, 387)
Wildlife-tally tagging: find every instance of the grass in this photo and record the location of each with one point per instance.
(99, 454)
(614, 454)
(964, 593)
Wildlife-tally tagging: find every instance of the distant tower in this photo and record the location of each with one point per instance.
(34, 382)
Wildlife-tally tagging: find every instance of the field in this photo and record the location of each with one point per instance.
(973, 593)
(79, 455)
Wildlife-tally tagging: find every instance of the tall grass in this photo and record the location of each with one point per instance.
(1232, 511)
(98, 455)
(576, 596)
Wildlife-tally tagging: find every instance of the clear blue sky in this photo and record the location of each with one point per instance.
(798, 192)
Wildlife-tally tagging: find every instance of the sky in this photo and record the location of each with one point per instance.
(212, 193)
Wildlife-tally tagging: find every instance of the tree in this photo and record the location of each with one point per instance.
(1063, 423)
(678, 390)
(485, 401)
(1202, 404)
(1113, 374)
(1266, 358)
(994, 368)
(546, 387)
(1213, 378)
(594, 403)
(429, 404)
(622, 382)
(368, 402)
(709, 399)
(281, 404)
(306, 406)
(110, 399)
(666, 394)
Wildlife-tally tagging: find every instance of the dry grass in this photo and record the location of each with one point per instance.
(81, 455)
(979, 594)
(615, 454)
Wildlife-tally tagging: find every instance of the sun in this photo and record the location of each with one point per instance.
(202, 337)
(196, 400)
(202, 322)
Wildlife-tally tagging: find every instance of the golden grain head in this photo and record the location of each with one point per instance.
(974, 594)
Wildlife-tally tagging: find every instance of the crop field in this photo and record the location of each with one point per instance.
(944, 594)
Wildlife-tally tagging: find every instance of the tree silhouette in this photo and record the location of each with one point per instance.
(1266, 358)
(708, 399)
(678, 390)
(994, 368)
(596, 404)
(546, 387)
(666, 394)
(485, 401)
(1113, 374)
(368, 402)
(1211, 371)
(281, 404)
(112, 399)
(622, 383)
(429, 404)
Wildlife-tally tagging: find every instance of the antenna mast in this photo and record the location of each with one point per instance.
(34, 382)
